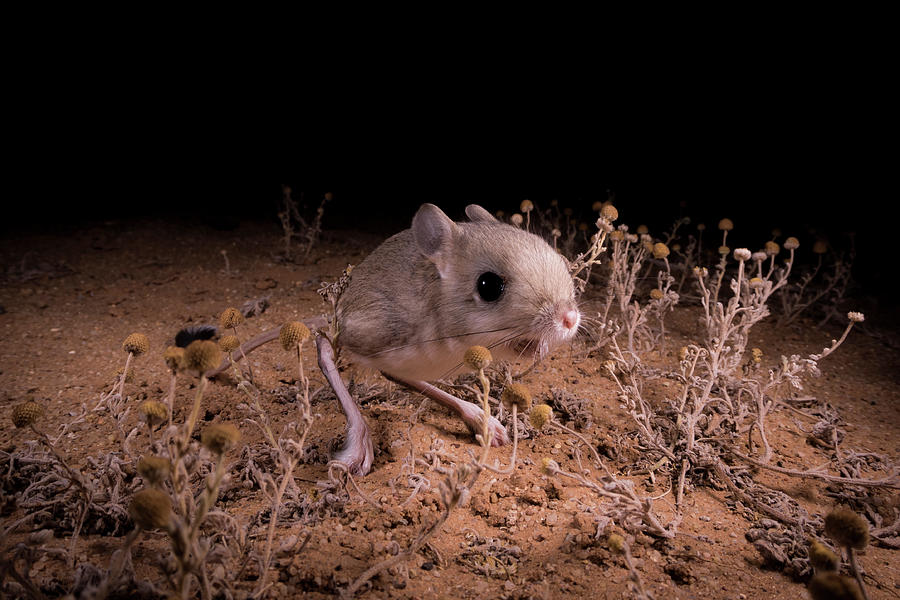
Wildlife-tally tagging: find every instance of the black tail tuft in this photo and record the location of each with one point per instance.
(193, 333)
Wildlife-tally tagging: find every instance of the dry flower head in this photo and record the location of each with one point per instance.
(526, 206)
(477, 358)
(822, 558)
(792, 243)
(129, 376)
(26, 414)
(220, 437)
(230, 317)
(154, 469)
(831, 586)
(136, 343)
(540, 415)
(229, 343)
(847, 528)
(656, 294)
(151, 509)
(609, 212)
(660, 250)
(616, 543)
(772, 248)
(293, 333)
(549, 466)
(725, 225)
(174, 357)
(742, 254)
(516, 394)
(153, 412)
(202, 356)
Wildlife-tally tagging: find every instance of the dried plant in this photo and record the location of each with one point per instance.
(295, 224)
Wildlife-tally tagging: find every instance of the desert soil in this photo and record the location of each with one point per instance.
(71, 296)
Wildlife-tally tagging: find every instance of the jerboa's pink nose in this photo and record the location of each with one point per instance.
(570, 318)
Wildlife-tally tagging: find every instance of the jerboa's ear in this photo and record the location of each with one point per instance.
(433, 232)
(477, 214)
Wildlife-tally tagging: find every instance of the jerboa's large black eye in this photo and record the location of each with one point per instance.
(490, 286)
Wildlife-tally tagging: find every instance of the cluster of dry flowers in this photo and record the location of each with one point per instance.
(710, 429)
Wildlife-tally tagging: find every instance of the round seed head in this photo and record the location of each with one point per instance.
(617, 235)
(154, 469)
(819, 247)
(151, 509)
(518, 395)
(656, 294)
(772, 248)
(642, 230)
(540, 415)
(757, 354)
(822, 558)
(136, 343)
(292, 334)
(174, 357)
(556, 233)
(742, 254)
(856, 317)
(831, 586)
(219, 438)
(660, 250)
(701, 226)
(792, 243)
(477, 358)
(526, 206)
(230, 317)
(202, 355)
(724, 250)
(582, 226)
(616, 543)
(758, 256)
(609, 212)
(682, 353)
(549, 466)
(229, 342)
(500, 214)
(597, 206)
(847, 528)
(153, 412)
(726, 225)
(516, 219)
(757, 284)
(567, 212)
(26, 414)
(129, 376)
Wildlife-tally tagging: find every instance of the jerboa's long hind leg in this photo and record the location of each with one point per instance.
(358, 452)
(470, 413)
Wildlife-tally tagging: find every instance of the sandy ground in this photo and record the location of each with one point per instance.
(70, 298)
